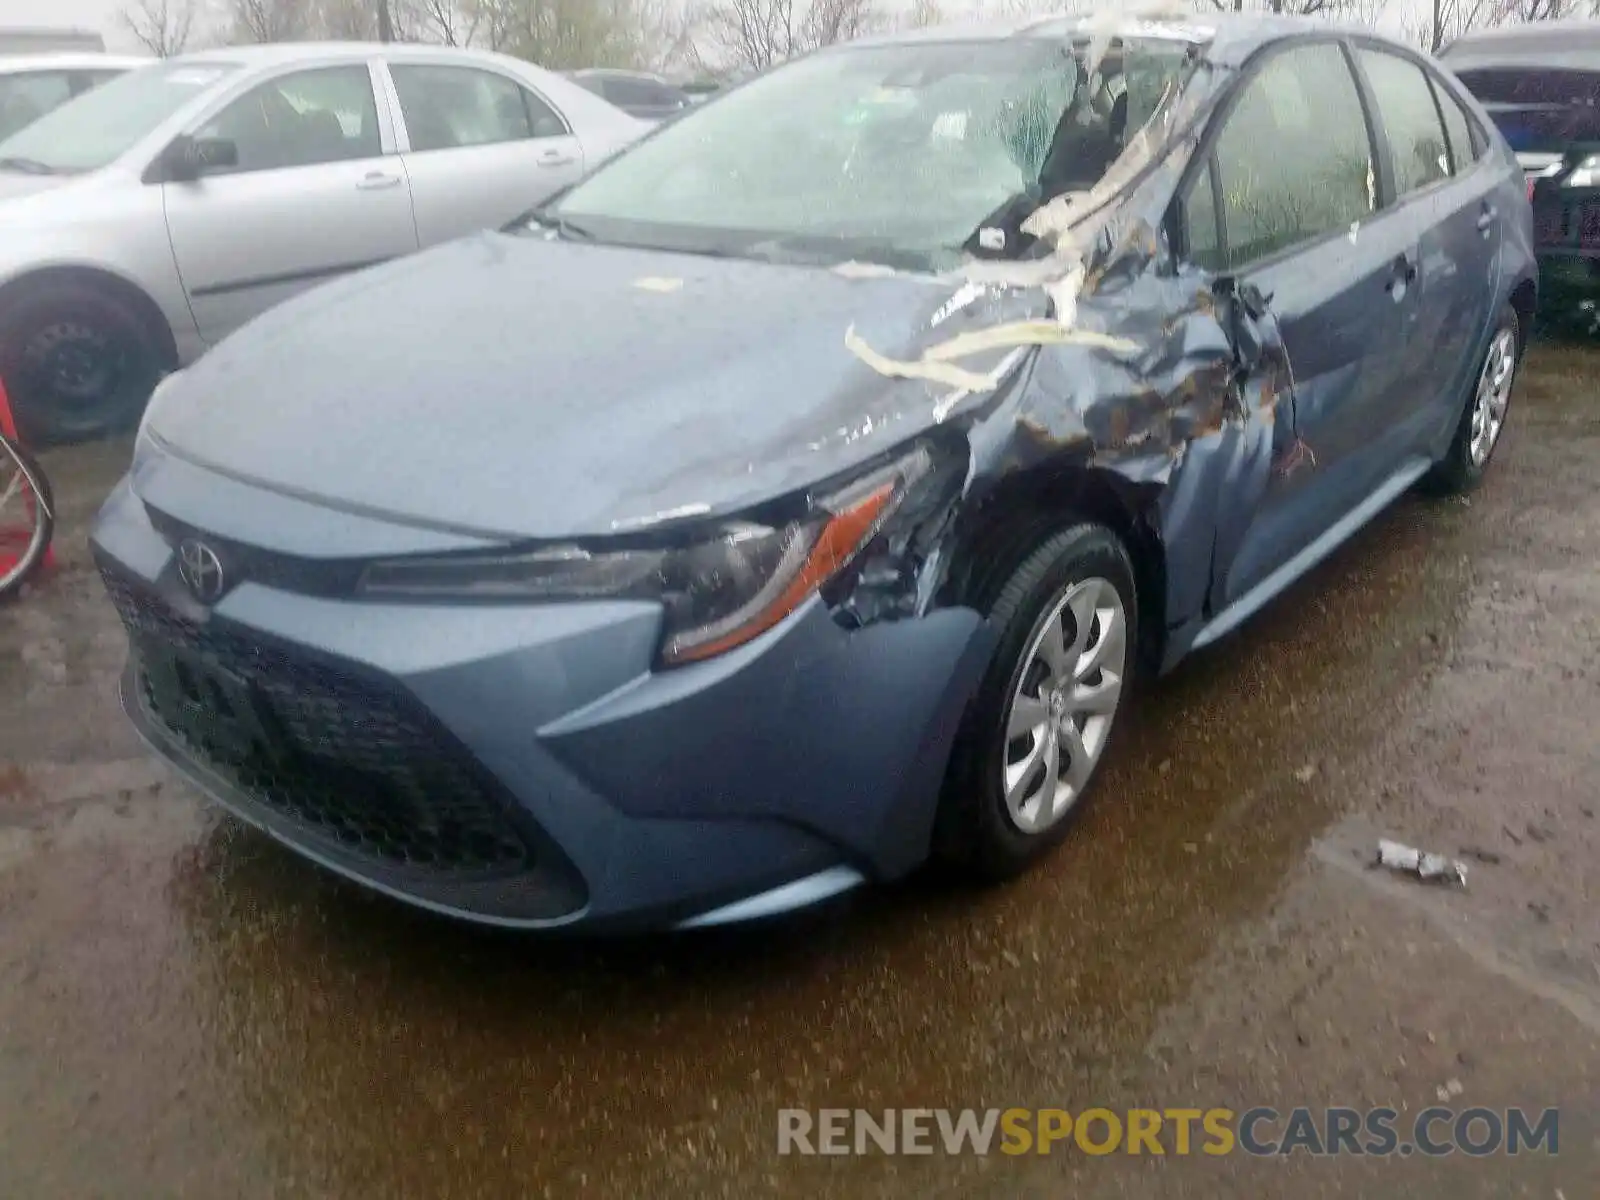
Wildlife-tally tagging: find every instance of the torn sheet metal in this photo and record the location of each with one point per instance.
(1172, 380)
(1081, 348)
(1430, 868)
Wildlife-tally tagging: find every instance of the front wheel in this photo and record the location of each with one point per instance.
(1034, 735)
(78, 362)
(27, 516)
(1484, 417)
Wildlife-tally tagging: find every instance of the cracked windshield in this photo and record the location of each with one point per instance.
(891, 153)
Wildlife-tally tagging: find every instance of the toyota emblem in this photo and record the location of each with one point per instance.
(201, 570)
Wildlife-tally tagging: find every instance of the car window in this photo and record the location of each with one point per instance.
(102, 125)
(302, 119)
(1410, 118)
(1200, 211)
(1458, 129)
(449, 107)
(27, 96)
(84, 81)
(640, 92)
(1538, 105)
(1294, 157)
(887, 153)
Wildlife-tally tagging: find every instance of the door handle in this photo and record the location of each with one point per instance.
(377, 180)
(1486, 218)
(1403, 273)
(555, 158)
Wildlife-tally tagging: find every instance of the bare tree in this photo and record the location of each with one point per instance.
(752, 35)
(1301, 8)
(340, 20)
(271, 20)
(562, 33)
(924, 14)
(448, 21)
(1362, 12)
(1516, 12)
(162, 27)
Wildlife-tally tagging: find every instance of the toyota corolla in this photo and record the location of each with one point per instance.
(800, 496)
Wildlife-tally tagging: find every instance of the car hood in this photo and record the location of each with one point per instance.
(14, 185)
(514, 386)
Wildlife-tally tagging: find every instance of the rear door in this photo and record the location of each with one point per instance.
(480, 146)
(1452, 202)
(1293, 208)
(317, 193)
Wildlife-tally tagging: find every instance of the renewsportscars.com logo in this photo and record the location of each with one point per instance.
(1261, 1132)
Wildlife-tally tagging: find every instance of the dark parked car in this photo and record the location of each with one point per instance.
(1540, 84)
(701, 90)
(648, 97)
(801, 495)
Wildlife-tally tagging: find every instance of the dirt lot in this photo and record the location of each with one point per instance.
(186, 1010)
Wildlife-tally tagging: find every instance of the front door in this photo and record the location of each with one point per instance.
(315, 195)
(480, 148)
(1296, 193)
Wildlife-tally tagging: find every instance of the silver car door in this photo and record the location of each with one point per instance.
(317, 192)
(480, 147)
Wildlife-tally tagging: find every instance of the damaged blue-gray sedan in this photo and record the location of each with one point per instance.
(799, 497)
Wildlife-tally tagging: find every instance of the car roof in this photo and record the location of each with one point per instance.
(1536, 36)
(615, 73)
(70, 60)
(274, 53)
(1230, 37)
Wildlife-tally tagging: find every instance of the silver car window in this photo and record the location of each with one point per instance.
(450, 107)
(26, 97)
(322, 115)
(102, 125)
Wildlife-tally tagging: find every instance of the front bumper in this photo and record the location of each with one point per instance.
(522, 765)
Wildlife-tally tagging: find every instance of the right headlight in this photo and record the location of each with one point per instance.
(162, 387)
(717, 593)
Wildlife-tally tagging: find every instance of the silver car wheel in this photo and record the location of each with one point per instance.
(1067, 693)
(1493, 397)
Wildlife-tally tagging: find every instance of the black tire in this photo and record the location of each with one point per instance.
(78, 362)
(1458, 472)
(974, 833)
(14, 575)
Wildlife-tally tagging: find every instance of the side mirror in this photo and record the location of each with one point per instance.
(188, 158)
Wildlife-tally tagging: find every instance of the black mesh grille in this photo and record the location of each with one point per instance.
(351, 762)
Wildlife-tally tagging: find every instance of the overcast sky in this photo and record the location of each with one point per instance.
(101, 15)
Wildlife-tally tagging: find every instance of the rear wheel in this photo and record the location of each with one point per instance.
(1034, 735)
(1484, 417)
(77, 362)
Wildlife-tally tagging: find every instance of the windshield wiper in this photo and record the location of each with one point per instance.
(28, 166)
(825, 251)
(566, 228)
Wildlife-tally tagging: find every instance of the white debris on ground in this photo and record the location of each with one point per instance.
(1430, 868)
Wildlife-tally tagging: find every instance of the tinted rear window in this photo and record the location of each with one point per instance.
(1535, 105)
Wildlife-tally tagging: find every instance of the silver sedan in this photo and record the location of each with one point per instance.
(146, 220)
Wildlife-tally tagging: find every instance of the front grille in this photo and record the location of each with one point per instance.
(348, 761)
(286, 572)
